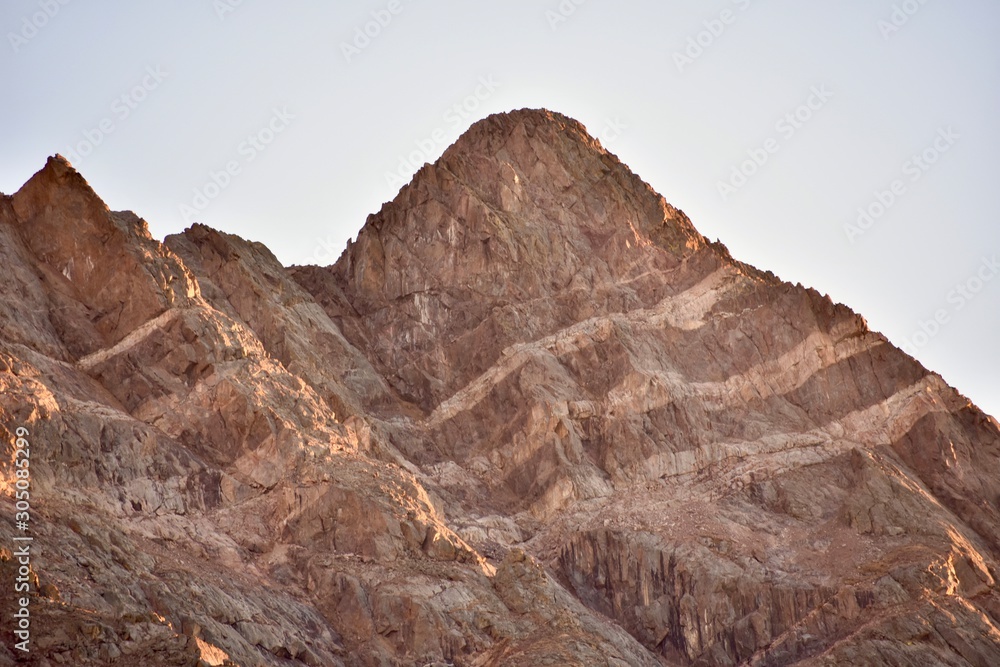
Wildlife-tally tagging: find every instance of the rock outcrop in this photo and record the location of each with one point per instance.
(531, 416)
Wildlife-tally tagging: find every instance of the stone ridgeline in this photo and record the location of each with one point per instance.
(531, 416)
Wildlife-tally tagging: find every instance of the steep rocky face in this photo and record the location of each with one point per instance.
(519, 230)
(530, 416)
(645, 408)
(207, 485)
(71, 233)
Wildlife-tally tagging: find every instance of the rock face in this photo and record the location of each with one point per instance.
(530, 417)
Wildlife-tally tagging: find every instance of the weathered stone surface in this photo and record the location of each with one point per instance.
(83, 251)
(246, 281)
(530, 417)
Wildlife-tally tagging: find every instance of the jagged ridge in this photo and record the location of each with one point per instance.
(530, 415)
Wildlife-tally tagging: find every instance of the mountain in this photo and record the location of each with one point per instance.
(530, 417)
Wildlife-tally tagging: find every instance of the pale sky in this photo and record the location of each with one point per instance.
(774, 124)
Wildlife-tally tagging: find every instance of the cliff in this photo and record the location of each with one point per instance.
(530, 416)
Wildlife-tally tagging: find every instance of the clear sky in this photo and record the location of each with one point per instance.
(849, 146)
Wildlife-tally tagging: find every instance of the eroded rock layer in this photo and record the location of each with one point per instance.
(530, 417)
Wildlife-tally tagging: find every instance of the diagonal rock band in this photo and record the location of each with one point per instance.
(530, 416)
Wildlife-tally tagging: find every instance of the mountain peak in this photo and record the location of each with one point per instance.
(524, 208)
(523, 204)
(518, 134)
(548, 123)
(105, 261)
(530, 383)
(58, 174)
(60, 160)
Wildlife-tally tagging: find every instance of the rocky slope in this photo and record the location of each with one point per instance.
(530, 417)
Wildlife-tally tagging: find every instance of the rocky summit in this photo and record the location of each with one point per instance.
(530, 417)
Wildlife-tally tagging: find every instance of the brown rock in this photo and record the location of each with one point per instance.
(82, 250)
(529, 417)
